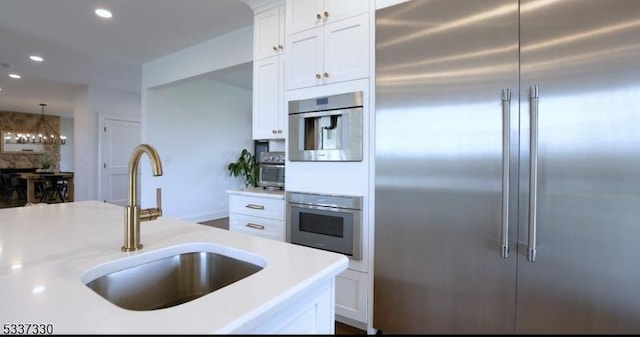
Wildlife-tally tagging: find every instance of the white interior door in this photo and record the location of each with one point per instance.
(119, 138)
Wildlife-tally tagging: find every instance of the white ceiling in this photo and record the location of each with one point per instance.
(81, 49)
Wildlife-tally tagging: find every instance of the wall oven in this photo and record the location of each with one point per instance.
(329, 222)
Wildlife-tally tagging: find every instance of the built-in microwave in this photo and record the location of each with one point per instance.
(326, 128)
(271, 169)
(328, 222)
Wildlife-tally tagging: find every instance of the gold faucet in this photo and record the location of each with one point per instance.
(133, 214)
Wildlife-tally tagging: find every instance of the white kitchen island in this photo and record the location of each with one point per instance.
(46, 251)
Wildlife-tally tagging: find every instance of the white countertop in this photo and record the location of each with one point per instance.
(46, 249)
(259, 192)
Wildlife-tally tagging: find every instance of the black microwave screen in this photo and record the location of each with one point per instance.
(322, 224)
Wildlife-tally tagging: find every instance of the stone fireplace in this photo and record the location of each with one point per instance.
(23, 122)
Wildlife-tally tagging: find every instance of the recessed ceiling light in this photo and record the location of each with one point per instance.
(103, 13)
(15, 76)
(36, 58)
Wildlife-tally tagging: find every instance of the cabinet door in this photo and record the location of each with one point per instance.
(304, 14)
(346, 50)
(305, 59)
(267, 40)
(282, 113)
(335, 10)
(266, 98)
(307, 14)
(351, 295)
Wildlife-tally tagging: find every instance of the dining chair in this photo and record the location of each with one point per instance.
(54, 189)
(11, 184)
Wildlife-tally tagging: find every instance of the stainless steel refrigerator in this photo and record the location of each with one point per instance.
(507, 167)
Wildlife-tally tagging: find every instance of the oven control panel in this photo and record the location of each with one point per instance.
(340, 201)
(272, 157)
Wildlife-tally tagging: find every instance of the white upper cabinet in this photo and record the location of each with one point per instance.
(307, 14)
(268, 33)
(268, 72)
(332, 53)
(268, 98)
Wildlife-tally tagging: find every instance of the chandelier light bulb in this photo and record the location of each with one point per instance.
(37, 134)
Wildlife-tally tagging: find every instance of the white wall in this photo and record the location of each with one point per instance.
(88, 103)
(66, 151)
(218, 53)
(165, 120)
(198, 128)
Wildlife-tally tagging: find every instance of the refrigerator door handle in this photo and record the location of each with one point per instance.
(533, 171)
(506, 129)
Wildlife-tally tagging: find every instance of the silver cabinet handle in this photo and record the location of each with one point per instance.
(533, 171)
(506, 129)
(318, 76)
(253, 225)
(254, 206)
(275, 48)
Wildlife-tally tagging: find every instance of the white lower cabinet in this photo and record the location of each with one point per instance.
(311, 313)
(268, 228)
(257, 215)
(351, 296)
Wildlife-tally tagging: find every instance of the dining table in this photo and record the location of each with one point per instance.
(34, 177)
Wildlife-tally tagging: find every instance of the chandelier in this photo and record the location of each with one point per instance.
(41, 133)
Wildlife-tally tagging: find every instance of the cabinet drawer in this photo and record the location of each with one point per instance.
(263, 227)
(256, 206)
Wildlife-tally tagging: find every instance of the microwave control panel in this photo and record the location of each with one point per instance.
(272, 157)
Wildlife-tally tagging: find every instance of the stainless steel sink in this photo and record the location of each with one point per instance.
(171, 280)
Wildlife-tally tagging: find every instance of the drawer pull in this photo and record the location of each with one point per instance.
(253, 206)
(253, 225)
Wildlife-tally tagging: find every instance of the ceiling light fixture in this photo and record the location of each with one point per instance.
(41, 133)
(103, 13)
(15, 76)
(36, 58)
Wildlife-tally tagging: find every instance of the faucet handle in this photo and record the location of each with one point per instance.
(159, 200)
(153, 213)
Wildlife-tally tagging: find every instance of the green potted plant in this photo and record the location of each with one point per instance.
(46, 163)
(245, 167)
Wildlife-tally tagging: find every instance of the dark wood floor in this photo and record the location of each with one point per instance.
(341, 329)
(219, 223)
(344, 329)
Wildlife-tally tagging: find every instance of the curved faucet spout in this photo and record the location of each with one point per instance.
(133, 213)
(134, 162)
